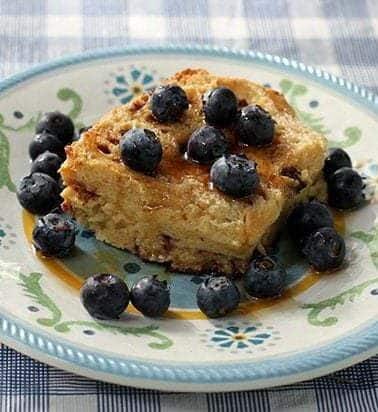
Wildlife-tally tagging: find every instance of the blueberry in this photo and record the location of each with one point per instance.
(255, 126)
(220, 106)
(151, 296)
(336, 159)
(265, 278)
(38, 193)
(57, 124)
(235, 175)
(141, 150)
(308, 217)
(207, 144)
(324, 249)
(345, 189)
(48, 163)
(168, 103)
(54, 235)
(46, 142)
(105, 296)
(217, 296)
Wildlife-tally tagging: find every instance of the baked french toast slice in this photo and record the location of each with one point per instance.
(174, 216)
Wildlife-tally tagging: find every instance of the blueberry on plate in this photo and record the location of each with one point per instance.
(345, 189)
(48, 163)
(43, 142)
(217, 296)
(141, 150)
(105, 296)
(151, 296)
(54, 235)
(207, 144)
(57, 124)
(255, 126)
(265, 278)
(235, 175)
(38, 193)
(168, 103)
(324, 249)
(336, 159)
(308, 217)
(220, 106)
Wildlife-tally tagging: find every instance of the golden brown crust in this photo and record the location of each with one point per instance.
(206, 229)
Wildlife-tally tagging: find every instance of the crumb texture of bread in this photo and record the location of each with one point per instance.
(174, 216)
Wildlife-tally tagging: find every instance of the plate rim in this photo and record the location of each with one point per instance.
(333, 356)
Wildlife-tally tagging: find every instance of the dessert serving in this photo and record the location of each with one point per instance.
(177, 177)
(201, 174)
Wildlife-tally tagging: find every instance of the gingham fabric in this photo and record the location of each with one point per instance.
(340, 36)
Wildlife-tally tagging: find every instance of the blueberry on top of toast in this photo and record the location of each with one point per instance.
(220, 106)
(141, 150)
(207, 144)
(168, 103)
(235, 175)
(255, 126)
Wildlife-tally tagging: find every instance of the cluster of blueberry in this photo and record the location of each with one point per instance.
(233, 174)
(311, 225)
(106, 296)
(39, 192)
(345, 185)
(217, 296)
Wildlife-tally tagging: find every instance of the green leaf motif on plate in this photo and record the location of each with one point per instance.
(292, 92)
(348, 295)
(370, 238)
(352, 135)
(64, 94)
(5, 179)
(67, 94)
(32, 288)
(31, 285)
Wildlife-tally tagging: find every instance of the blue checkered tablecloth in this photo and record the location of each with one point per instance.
(338, 35)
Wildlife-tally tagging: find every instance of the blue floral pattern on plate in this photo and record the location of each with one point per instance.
(130, 82)
(236, 336)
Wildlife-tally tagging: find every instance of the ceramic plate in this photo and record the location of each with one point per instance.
(321, 324)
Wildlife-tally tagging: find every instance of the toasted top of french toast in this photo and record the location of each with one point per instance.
(292, 162)
(294, 153)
